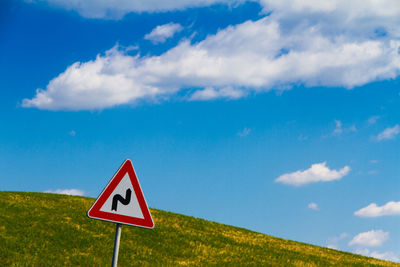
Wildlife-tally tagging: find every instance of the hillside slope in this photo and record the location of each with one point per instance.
(38, 229)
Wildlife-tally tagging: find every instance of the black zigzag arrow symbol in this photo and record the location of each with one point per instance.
(124, 201)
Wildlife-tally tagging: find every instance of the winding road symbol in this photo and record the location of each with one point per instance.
(124, 201)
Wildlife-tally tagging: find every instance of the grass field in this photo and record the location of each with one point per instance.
(38, 229)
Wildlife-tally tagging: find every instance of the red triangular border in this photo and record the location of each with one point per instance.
(95, 212)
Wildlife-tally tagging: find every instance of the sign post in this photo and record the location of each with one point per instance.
(122, 201)
(116, 245)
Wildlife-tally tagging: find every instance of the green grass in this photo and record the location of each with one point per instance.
(38, 229)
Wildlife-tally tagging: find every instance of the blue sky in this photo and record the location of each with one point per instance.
(277, 116)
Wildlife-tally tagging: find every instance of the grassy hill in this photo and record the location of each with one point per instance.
(38, 229)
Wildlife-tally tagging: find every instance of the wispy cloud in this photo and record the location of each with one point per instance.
(373, 210)
(373, 238)
(352, 128)
(338, 129)
(372, 172)
(388, 133)
(334, 241)
(372, 120)
(245, 132)
(72, 192)
(302, 137)
(162, 32)
(316, 173)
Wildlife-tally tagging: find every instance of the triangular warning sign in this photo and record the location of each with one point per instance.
(122, 200)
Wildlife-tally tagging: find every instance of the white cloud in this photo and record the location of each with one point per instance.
(389, 133)
(109, 80)
(245, 132)
(313, 206)
(358, 17)
(388, 256)
(72, 192)
(116, 9)
(301, 42)
(162, 32)
(373, 238)
(316, 173)
(372, 210)
(210, 93)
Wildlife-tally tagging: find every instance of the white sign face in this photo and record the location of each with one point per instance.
(122, 200)
(125, 203)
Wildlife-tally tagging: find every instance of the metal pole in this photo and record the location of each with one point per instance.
(116, 245)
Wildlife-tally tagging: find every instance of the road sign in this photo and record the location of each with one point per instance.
(122, 200)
